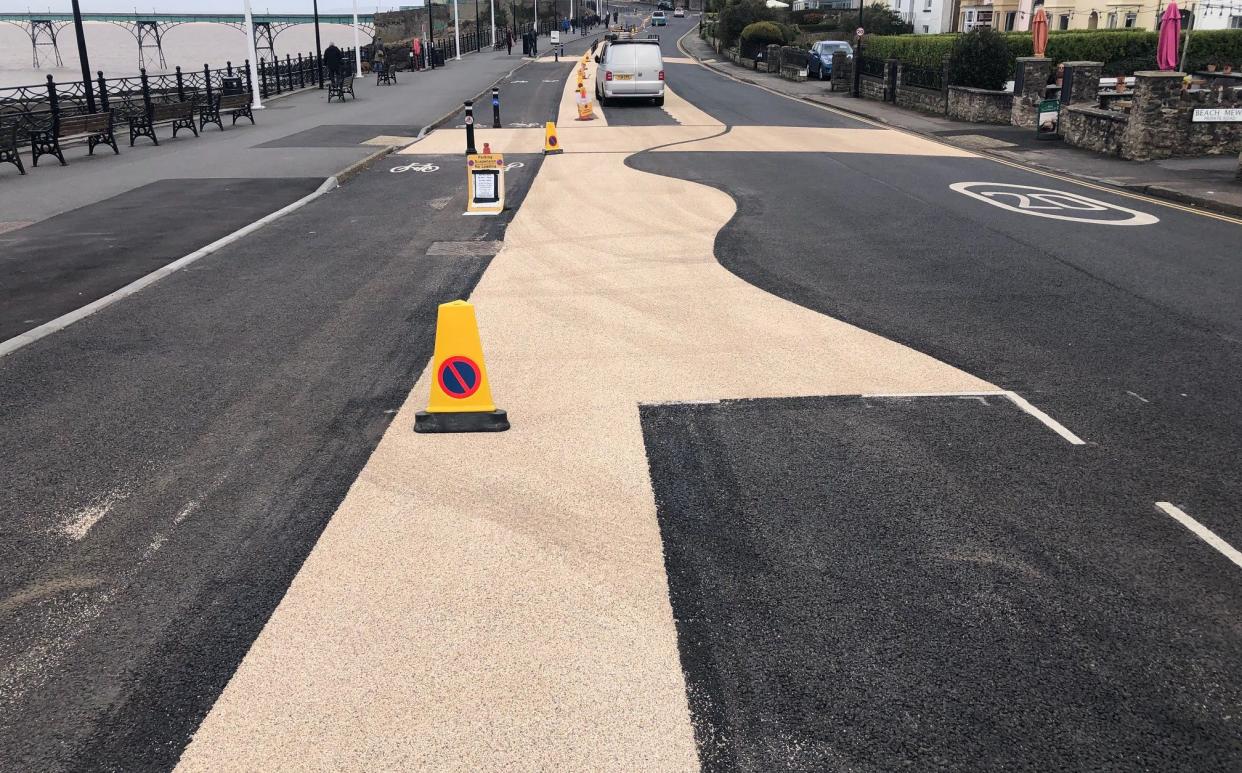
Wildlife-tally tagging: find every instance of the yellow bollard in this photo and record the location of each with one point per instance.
(461, 396)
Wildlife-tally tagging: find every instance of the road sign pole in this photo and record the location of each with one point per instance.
(256, 102)
(470, 151)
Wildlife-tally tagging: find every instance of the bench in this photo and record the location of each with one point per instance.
(179, 114)
(339, 86)
(237, 105)
(95, 127)
(385, 75)
(8, 146)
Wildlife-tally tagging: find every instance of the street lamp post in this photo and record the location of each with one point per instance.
(357, 48)
(86, 65)
(456, 30)
(256, 101)
(491, 10)
(478, 43)
(318, 48)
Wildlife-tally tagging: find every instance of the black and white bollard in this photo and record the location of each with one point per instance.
(495, 108)
(470, 151)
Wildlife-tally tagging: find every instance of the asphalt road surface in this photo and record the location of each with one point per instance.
(833, 448)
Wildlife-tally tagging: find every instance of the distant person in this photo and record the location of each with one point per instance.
(509, 42)
(333, 58)
(377, 59)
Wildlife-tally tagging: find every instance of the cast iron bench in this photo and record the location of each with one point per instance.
(237, 105)
(179, 114)
(386, 75)
(8, 146)
(95, 127)
(339, 86)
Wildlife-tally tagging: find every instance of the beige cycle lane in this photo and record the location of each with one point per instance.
(499, 602)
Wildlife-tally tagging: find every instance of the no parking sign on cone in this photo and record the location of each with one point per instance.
(461, 396)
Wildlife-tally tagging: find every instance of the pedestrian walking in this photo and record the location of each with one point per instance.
(377, 59)
(333, 58)
(509, 42)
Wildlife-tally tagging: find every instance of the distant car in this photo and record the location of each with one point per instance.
(680, 13)
(658, 19)
(664, 5)
(819, 61)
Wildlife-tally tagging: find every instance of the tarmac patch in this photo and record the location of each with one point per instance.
(343, 136)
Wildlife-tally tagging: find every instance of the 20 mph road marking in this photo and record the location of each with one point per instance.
(1058, 205)
(1201, 531)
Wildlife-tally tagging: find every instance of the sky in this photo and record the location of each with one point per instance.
(199, 6)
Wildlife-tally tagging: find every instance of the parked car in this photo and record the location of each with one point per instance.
(658, 19)
(632, 68)
(679, 13)
(819, 61)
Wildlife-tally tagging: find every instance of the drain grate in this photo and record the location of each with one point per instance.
(479, 249)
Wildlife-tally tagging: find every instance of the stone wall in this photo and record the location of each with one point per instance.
(925, 100)
(980, 105)
(1093, 129)
(842, 72)
(1029, 81)
(1157, 124)
(921, 98)
(1160, 124)
(873, 88)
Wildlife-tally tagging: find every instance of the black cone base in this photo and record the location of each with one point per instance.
(465, 421)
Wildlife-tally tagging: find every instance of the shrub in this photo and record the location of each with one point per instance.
(981, 59)
(737, 16)
(1121, 51)
(763, 33)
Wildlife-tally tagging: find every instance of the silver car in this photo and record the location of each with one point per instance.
(630, 69)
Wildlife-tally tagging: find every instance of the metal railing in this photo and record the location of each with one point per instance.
(869, 66)
(922, 77)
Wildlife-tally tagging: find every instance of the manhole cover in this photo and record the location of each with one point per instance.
(479, 249)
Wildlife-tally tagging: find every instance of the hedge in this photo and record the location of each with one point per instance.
(1122, 52)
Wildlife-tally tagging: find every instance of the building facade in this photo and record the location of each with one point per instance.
(929, 17)
(1015, 15)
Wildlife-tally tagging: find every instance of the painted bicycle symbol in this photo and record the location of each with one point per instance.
(514, 165)
(415, 167)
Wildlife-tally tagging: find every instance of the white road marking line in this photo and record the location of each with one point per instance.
(1014, 398)
(1201, 531)
(65, 320)
(79, 523)
(1137, 396)
(1048, 421)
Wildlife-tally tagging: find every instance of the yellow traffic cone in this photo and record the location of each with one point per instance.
(461, 397)
(550, 143)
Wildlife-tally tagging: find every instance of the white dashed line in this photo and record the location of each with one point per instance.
(1201, 531)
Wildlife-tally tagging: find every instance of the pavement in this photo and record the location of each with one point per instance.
(1209, 182)
(933, 469)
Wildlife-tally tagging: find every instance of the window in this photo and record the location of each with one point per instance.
(926, 29)
(1131, 19)
(1011, 18)
(1112, 20)
(1235, 22)
(927, 5)
(1063, 22)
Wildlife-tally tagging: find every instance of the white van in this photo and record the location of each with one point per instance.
(630, 69)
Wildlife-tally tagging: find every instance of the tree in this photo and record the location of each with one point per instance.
(880, 19)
